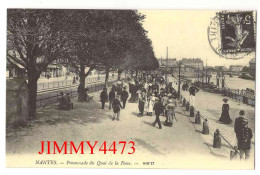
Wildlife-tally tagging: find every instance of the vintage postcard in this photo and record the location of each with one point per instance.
(109, 88)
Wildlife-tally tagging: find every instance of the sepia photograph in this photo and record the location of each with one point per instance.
(130, 88)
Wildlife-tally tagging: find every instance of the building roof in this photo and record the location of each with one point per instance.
(191, 60)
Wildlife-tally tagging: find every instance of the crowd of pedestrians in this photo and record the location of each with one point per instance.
(152, 94)
(117, 94)
(156, 96)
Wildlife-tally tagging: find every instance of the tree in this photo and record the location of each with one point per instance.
(125, 44)
(83, 45)
(115, 32)
(35, 38)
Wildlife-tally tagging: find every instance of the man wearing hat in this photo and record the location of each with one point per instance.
(239, 121)
(124, 96)
(243, 134)
(192, 90)
(158, 109)
(111, 96)
(141, 103)
(103, 97)
(244, 137)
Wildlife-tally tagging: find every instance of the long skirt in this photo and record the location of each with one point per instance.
(225, 118)
(150, 107)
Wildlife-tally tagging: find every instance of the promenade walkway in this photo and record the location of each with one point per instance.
(179, 146)
(210, 107)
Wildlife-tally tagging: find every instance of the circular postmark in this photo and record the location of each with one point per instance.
(231, 35)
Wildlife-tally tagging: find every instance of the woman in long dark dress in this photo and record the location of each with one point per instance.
(225, 118)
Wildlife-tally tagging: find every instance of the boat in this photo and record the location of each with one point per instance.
(246, 76)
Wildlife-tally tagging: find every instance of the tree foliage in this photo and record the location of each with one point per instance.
(35, 38)
(94, 39)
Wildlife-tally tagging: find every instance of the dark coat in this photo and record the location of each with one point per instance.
(238, 125)
(158, 108)
(193, 90)
(124, 95)
(112, 95)
(244, 137)
(104, 96)
(116, 105)
(119, 90)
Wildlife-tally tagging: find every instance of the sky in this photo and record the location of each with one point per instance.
(185, 34)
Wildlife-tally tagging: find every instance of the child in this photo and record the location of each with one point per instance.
(116, 105)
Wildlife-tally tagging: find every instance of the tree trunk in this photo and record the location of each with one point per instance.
(119, 73)
(81, 88)
(107, 76)
(32, 92)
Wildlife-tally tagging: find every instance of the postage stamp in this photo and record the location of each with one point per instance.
(231, 35)
(237, 32)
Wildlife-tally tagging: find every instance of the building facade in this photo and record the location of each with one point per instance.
(14, 71)
(235, 68)
(195, 63)
(170, 62)
(221, 68)
(53, 70)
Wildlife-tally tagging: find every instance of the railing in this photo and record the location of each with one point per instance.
(62, 83)
(52, 97)
(240, 95)
(243, 96)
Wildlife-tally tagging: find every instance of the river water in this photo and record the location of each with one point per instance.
(236, 83)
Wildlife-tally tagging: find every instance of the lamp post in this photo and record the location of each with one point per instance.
(166, 79)
(179, 85)
(198, 73)
(206, 72)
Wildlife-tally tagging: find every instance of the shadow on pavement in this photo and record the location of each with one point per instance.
(148, 123)
(83, 113)
(213, 153)
(135, 113)
(111, 116)
(198, 131)
(148, 147)
(231, 125)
